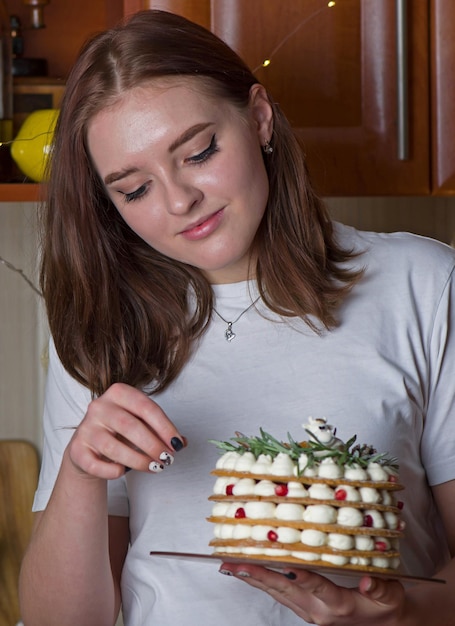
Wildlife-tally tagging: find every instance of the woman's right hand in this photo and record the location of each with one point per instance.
(123, 429)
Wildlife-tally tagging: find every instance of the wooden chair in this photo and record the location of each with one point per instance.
(19, 466)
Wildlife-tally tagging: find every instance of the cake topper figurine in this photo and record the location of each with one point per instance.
(323, 432)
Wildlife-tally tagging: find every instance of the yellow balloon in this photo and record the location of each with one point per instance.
(33, 143)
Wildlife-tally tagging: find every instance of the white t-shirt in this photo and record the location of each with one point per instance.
(386, 374)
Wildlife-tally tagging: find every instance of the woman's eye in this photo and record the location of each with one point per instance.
(135, 195)
(197, 158)
(205, 154)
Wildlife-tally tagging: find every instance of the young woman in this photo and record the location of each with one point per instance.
(195, 286)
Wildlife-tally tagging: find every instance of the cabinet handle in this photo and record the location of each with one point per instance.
(402, 79)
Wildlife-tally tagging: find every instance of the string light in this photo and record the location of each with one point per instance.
(8, 143)
(268, 60)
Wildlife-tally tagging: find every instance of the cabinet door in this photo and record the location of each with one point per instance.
(443, 96)
(334, 73)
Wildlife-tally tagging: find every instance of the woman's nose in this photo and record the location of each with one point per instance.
(181, 196)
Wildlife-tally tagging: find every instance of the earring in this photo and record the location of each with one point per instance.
(267, 147)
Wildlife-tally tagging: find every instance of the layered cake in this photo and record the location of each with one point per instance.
(322, 501)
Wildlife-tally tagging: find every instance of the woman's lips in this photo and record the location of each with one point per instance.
(204, 228)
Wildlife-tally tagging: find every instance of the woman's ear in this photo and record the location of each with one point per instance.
(261, 112)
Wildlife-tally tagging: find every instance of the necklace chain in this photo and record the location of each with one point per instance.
(229, 333)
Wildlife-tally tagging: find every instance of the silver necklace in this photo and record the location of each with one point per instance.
(229, 334)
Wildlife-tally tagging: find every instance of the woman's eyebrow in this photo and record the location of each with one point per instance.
(188, 134)
(115, 176)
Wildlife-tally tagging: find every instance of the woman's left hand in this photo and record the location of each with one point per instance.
(376, 602)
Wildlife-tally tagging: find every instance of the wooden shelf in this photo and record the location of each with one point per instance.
(20, 192)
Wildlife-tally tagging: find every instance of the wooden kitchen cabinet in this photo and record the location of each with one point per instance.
(443, 96)
(336, 78)
(197, 10)
(335, 73)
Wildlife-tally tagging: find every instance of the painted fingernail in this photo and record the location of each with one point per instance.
(176, 443)
(290, 575)
(167, 458)
(243, 574)
(156, 467)
(226, 572)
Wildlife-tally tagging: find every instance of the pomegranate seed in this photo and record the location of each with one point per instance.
(240, 513)
(281, 490)
(380, 545)
(368, 521)
(393, 479)
(340, 494)
(229, 490)
(272, 535)
(400, 504)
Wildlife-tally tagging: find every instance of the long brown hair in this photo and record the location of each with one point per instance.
(117, 308)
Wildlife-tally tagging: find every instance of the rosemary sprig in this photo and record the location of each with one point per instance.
(315, 450)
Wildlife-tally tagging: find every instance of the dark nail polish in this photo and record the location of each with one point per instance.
(290, 575)
(176, 443)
